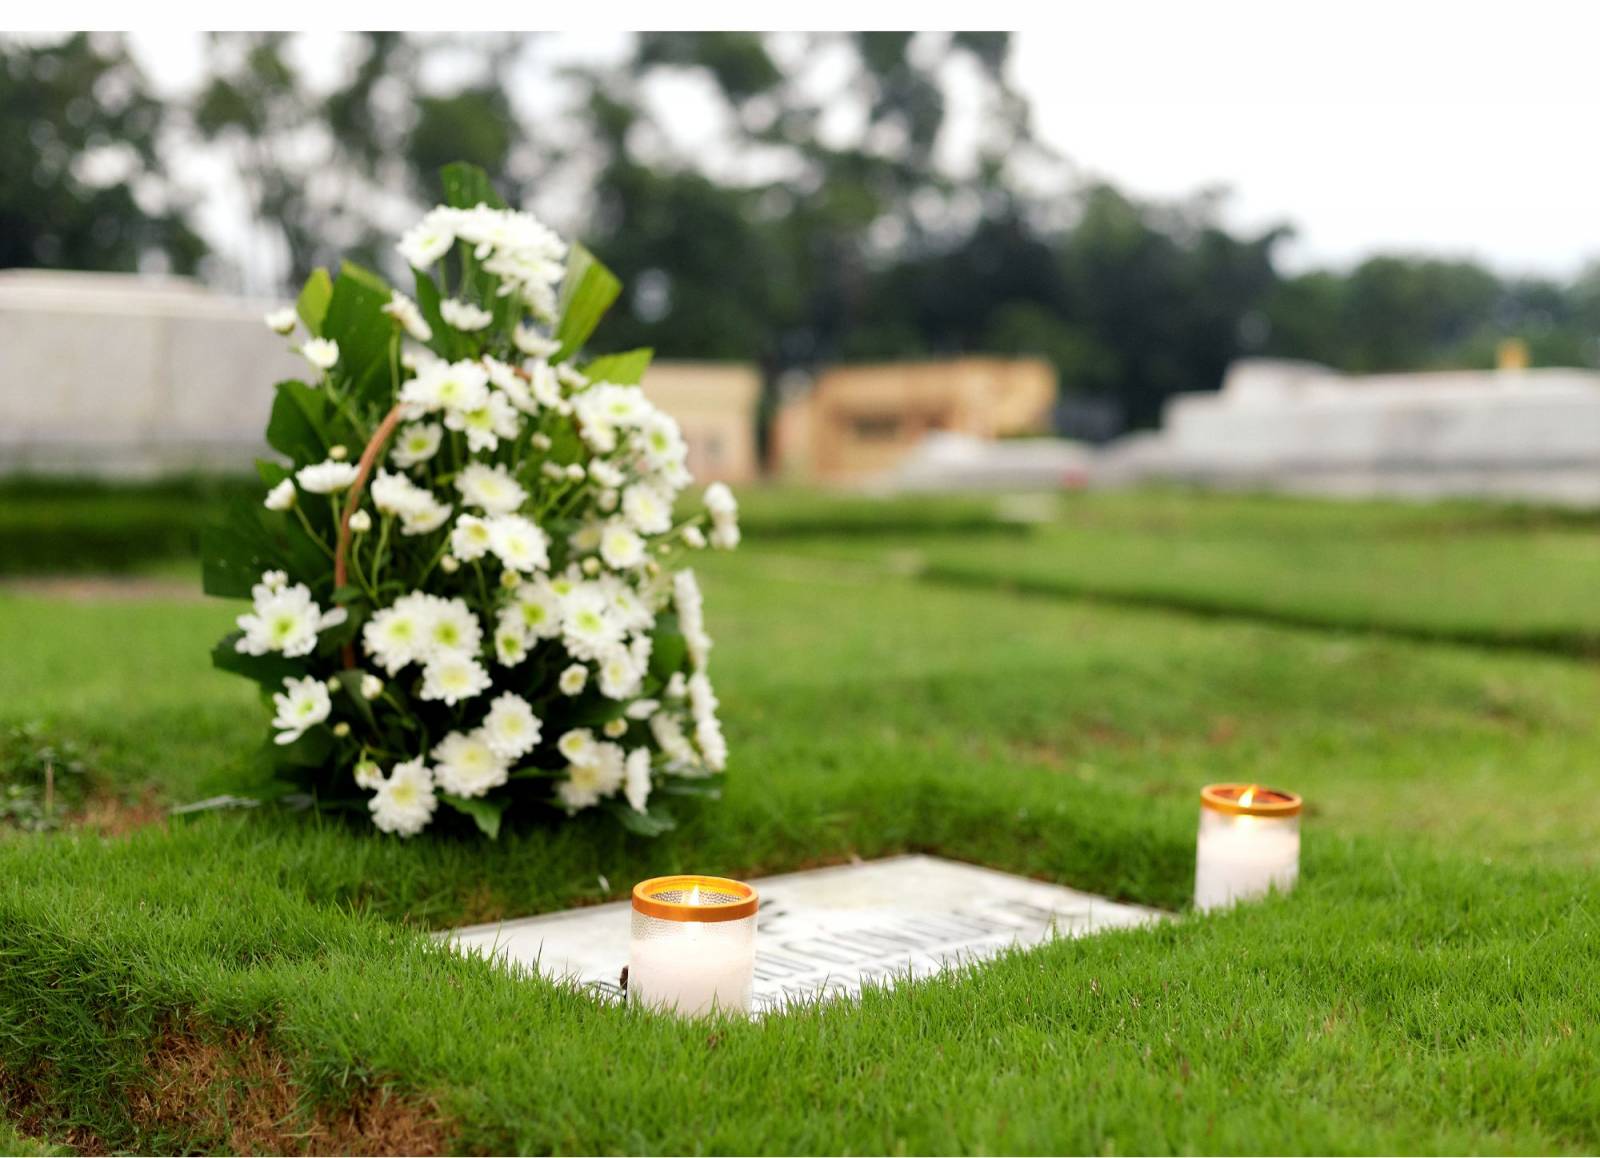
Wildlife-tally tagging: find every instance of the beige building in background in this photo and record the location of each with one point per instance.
(715, 404)
(863, 420)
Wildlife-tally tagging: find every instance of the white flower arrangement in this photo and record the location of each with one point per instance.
(487, 609)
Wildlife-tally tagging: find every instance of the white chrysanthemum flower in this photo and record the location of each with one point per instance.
(303, 704)
(450, 628)
(416, 358)
(518, 543)
(368, 775)
(620, 676)
(428, 240)
(453, 677)
(661, 442)
(606, 474)
(448, 386)
(323, 353)
(537, 609)
(576, 745)
(403, 310)
(465, 765)
(674, 745)
(647, 509)
(511, 729)
(326, 478)
(599, 774)
(510, 641)
(587, 625)
(281, 497)
(405, 802)
(702, 697)
(713, 747)
(636, 781)
(533, 343)
(283, 619)
(506, 379)
(574, 679)
(690, 605)
(398, 635)
(487, 425)
(586, 539)
(416, 443)
(470, 539)
(490, 488)
(419, 510)
(282, 321)
(545, 385)
(724, 516)
(464, 316)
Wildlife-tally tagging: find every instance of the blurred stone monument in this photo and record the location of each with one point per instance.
(1511, 433)
(114, 375)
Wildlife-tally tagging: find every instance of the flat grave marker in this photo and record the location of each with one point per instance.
(822, 933)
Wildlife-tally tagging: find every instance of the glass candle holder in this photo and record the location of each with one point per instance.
(694, 944)
(1249, 843)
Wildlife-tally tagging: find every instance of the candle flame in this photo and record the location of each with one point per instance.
(1248, 795)
(694, 895)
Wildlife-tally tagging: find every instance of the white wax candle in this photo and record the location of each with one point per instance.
(684, 973)
(694, 945)
(1239, 854)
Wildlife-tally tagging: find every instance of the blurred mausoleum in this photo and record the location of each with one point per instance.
(1510, 433)
(118, 376)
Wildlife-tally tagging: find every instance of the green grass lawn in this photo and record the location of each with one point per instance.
(1428, 988)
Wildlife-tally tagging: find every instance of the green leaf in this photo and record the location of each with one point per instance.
(312, 305)
(298, 427)
(309, 751)
(350, 680)
(707, 788)
(467, 186)
(626, 369)
(268, 670)
(364, 332)
(485, 813)
(272, 473)
(587, 291)
(653, 822)
(251, 539)
(670, 648)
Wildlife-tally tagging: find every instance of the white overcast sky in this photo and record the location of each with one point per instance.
(1393, 127)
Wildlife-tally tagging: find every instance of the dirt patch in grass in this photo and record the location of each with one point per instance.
(106, 588)
(235, 1093)
(112, 815)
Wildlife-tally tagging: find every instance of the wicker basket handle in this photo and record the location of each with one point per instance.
(369, 459)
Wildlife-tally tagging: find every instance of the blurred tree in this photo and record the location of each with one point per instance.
(86, 185)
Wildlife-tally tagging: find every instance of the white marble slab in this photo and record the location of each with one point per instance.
(824, 932)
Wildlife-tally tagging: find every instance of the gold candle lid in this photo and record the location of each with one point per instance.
(694, 898)
(1249, 800)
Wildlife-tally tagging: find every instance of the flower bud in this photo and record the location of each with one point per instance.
(360, 523)
(695, 537)
(334, 686)
(575, 471)
(607, 501)
(338, 452)
(449, 564)
(540, 441)
(341, 729)
(615, 728)
(371, 686)
(509, 580)
(591, 566)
